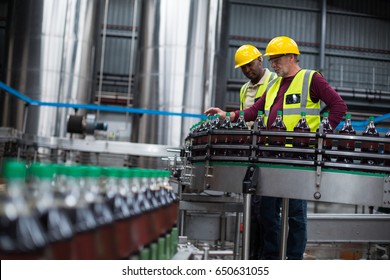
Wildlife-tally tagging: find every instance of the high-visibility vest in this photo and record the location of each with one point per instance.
(296, 100)
(262, 88)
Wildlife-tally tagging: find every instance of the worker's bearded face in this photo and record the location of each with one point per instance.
(280, 64)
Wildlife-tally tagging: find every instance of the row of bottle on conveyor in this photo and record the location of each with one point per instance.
(54, 211)
(214, 123)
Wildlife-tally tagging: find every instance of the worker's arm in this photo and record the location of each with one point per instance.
(321, 90)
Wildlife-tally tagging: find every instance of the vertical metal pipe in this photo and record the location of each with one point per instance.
(323, 35)
(284, 229)
(373, 78)
(247, 226)
(102, 55)
(131, 62)
(50, 57)
(177, 52)
(341, 75)
(237, 236)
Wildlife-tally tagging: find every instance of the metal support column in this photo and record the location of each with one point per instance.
(249, 186)
(284, 230)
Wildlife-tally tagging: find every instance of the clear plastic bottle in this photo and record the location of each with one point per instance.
(347, 144)
(370, 147)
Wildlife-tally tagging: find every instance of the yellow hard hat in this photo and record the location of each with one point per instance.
(281, 45)
(246, 54)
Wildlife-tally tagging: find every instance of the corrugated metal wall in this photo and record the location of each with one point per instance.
(119, 34)
(357, 47)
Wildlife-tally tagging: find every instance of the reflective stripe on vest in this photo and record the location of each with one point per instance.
(299, 87)
(269, 81)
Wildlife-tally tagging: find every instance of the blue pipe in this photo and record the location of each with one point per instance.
(95, 107)
(361, 125)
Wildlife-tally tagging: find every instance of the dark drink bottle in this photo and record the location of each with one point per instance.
(21, 233)
(278, 125)
(328, 129)
(260, 126)
(226, 138)
(215, 125)
(367, 146)
(347, 144)
(302, 126)
(387, 149)
(54, 220)
(301, 142)
(240, 139)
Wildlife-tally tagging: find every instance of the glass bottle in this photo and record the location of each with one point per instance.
(21, 233)
(277, 125)
(370, 147)
(347, 144)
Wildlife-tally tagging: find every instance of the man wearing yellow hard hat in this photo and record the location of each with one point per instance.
(295, 90)
(249, 59)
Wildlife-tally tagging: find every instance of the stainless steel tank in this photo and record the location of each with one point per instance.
(51, 52)
(182, 56)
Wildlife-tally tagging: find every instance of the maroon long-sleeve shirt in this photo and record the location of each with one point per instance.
(319, 90)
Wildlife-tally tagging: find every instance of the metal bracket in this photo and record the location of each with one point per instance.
(249, 184)
(386, 192)
(317, 194)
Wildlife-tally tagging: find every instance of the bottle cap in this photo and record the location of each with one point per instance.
(348, 116)
(303, 114)
(326, 114)
(228, 114)
(13, 169)
(241, 113)
(280, 112)
(259, 112)
(371, 118)
(42, 170)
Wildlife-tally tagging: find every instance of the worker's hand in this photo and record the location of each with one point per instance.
(215, 110)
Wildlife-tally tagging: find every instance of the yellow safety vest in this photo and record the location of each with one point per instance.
(262, 88)
(296, 100)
